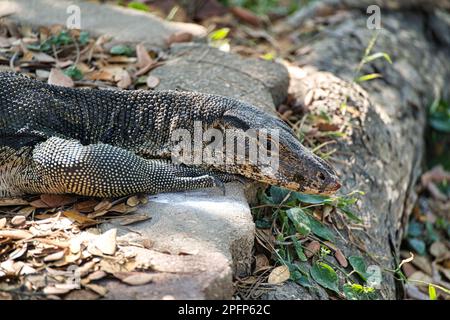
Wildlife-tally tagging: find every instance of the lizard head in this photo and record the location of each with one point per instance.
(291, 165)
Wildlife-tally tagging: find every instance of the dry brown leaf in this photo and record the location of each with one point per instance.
(18, 220)
(58, 78)
(438, 249)
(104, 205)
(43, 57)
(97, 275)
(54, 256)
(445, 272)
(246, 16)
(26, 211)
(133, 201)
(75, 245)
(19, 252)
(122, 59)
(421, 277)
(178, 37)
(64, 64)
(86, 206)
(15, 234)
(5, 296)
(53, 290)
(152, 82)
(261, 261)
(325, 126)
(341, 258)
(39, 204)
(130, 219)
(107, 242)
(57, 200)
(423, 264)
(120, 208)
(123, 79)
(279, 275)
(111, 266)
(74, 215)
(408, 269)
(134, 278)
(100, 290)
(312, 248)
(97, 214)
(12, 202)
(143, 58)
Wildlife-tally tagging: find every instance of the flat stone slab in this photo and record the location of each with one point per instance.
(123, 24)
(198, 239)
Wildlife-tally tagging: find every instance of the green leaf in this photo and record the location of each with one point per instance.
(74, 73)
(279, 194)
(359, 266)
(432, 235)
(320, 229)
(440, 124)
(417, 245)
(304, 281)
(269, 56)
(432, 292)
(299, 250)
(300, 220)
(63, 38)
(350, 214)
(121, 50)
(377, 56)
(415, 229)
(312, 198)
(262, 224)
(83, 38)
(139, 6)
(354, 291)
(368, 77)
(219, 34)
(324, 275)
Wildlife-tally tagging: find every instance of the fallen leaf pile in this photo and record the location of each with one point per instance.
(49, 246)
(72, 58)
(428, 236)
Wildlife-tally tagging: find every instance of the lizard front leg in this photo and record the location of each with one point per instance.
(66, 166)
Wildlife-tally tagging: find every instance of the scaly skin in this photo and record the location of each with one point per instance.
(112, 143)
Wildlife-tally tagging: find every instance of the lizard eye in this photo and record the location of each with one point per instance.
(321, 176)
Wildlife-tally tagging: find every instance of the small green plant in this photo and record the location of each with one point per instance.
(367, 58)
(122, 50)
(293, 222)
(138, 6)
(264, 7)
(439, 116)
(62, 39)
(218, 39)
(431, 286)
(74, 72)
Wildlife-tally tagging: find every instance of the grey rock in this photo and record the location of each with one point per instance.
(293, 291)
(198, 67)
(123, 24)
